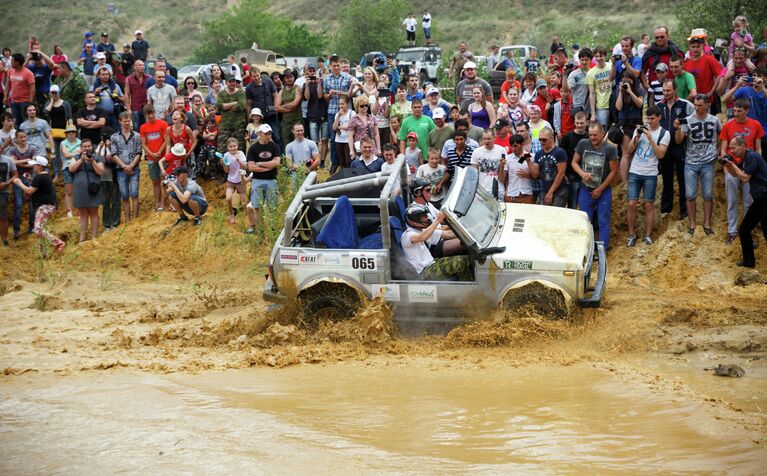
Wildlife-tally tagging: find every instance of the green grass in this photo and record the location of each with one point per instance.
(171, 26)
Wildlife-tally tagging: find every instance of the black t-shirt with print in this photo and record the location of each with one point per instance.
(90, 115)
(259, 152)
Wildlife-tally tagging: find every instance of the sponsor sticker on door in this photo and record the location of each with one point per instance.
(509, 264)
(390, 292)
(422, 293)
(288, 257)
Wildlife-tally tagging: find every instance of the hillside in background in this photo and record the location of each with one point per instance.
(171, 25)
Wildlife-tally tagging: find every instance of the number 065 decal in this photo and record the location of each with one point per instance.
(363, 261)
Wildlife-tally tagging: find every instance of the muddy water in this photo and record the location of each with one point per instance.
(423, 417)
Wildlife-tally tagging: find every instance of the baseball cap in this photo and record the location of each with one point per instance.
(104, 34)
(661, 67)
(412, 135)
(576, 46)
(470, 64)
(88, 34)
(438, 113)
(265, 129)
(39, 160)
(138, 32)
(178, 150)
(501, 123)
(230, 76)
(256, 112)
(55, 88)
(126, 45)
(311, 66)
(431, 91)
(541, 83)
(101, 55)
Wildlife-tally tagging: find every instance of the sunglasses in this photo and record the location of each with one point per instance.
(364, 105)
(660, 37)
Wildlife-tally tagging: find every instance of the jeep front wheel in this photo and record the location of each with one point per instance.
(539, 299)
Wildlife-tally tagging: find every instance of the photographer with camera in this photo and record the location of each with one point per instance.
(42, 67)
(515, 173)
(751, 169)
(700, 134)
(110, 211)
(628, 103)
(186, 196)
(755, 93)
(86, 171)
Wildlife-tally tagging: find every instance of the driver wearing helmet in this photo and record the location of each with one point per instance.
(422, 232)
(421, 189)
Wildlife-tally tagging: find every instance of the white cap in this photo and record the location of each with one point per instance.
(178, 150)
(438, 113)
(264, 128)
(39, 160)
(470, 64)
(55, 88)
(431, 91)
(256, 112)
(101, 55)
(138, 32)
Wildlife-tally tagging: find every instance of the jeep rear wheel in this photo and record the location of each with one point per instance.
(538, 299)
(328, 302)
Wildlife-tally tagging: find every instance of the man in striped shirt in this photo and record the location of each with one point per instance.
(457, 156)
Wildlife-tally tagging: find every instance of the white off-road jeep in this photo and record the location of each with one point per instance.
(341, 241)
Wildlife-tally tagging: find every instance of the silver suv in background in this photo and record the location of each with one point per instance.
(422, 60)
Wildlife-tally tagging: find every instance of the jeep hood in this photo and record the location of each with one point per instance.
(543, 238)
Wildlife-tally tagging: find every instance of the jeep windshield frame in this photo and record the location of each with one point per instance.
(472, 211)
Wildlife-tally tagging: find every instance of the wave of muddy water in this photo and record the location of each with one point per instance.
(114, 380)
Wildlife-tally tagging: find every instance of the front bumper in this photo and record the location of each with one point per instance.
(599, 288)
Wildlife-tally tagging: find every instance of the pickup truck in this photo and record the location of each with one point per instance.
(335, 249)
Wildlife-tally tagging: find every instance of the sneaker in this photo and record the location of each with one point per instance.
(181, 219)
(730, 239)
(231, 219)
(107, 229)
(632, 241)
(745, 264)
(197, 221)
(69, 214)
(647, 240)
(250, 231)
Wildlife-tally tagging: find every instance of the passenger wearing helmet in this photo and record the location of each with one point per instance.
(421, 189)
(420, 233)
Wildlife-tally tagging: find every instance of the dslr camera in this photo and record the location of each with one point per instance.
(625, 86)
(168, 179)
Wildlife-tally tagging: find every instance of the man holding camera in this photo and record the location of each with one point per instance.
(699, 132)
(751, 171)
(515, 173)
(41, 66)
(752, 132)
(753, 90)
(186, 196)
(672, 108)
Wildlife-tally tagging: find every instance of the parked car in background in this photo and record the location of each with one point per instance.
(267, 61)
(191, 71)
(422, 60)
(521, 53)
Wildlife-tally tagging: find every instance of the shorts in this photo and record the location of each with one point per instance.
(67, 175)
(199, 201)
(629, 127)
(637, 183)
(128, 184)
(238, 187)
(411, 36)
(4, 199)
(318, 130)
(263, 191)
(155, 172)
(706, 174)
(438, 250)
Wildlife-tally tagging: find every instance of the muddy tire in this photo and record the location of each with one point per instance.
(328, 302)
(537, 299)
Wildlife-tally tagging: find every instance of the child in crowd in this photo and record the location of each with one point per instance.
(412, 152)
(234, 166)
(395, 122)
(433, 171)
(210, 143)
(251, 132)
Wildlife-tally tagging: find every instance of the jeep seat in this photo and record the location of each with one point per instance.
(340, 228)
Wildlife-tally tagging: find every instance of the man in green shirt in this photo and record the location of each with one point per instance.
(418, 123)
(72, 86)
(685, 82)
(442, 131)
(230, 103)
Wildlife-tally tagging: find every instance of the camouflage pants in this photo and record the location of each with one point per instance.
(448, 267)
(224, 135)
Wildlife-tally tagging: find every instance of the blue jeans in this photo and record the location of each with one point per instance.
(332, 145)
(138, 120)
(706, 174)
(19, 110)
(637, 183)
(18, 203)
(185, 206)
(603, 117)
(128, 184)
(572, 193)
(602, 206)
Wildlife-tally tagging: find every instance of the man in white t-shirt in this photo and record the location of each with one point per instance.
(161, 94)
(420, 233)
(516, 175)
(648, 146)
(409, 25)
(488, 159)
